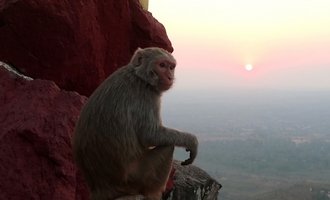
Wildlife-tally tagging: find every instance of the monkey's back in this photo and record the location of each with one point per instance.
(106, 134)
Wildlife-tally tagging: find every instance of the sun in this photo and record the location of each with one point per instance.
(248, 67)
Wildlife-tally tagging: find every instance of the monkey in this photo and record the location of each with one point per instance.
(120, 144)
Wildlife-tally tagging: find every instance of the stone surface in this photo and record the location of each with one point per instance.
(4, 4)
(192, 183)
(77, 44)
(36, 125)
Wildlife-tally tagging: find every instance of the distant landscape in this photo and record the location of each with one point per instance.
(259, 144)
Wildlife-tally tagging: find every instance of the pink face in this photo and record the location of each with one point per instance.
(165, 71)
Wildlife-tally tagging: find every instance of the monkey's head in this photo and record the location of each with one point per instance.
(155, 66)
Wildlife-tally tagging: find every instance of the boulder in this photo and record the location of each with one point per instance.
(37, 120)
(36, 125)
(76, 44)
(192, 183)
(54, 47)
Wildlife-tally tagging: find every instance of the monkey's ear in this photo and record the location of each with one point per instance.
(137, 57)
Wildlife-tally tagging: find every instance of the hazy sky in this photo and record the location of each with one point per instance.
(286, 41)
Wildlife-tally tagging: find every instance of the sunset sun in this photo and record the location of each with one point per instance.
(248, 67)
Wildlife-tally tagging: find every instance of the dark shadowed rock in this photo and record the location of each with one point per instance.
(192, 183)
(77, 44)
(36, 125)
(4, 4)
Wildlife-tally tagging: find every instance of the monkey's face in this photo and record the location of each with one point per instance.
(155, 66)
(164, 68)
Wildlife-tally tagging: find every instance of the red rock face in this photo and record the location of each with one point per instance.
(36, 125)
(77, 44)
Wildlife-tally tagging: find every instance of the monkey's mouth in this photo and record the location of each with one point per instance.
(169, 81)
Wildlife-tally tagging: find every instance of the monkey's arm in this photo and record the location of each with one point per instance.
(167, 136)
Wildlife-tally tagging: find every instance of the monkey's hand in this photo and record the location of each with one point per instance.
(192, 148)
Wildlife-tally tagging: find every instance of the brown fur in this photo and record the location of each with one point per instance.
(119, 124)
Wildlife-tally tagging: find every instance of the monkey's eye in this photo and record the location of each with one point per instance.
(162, 64)
(172, 67)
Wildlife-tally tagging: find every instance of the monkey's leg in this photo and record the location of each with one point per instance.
(153, 171)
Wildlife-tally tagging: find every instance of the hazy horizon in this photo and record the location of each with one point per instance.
(253, 83)
(287, 43)
(259, 144)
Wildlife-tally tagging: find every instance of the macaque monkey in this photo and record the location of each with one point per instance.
(120, 143)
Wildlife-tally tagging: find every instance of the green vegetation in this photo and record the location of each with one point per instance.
(268, 168)
(264, 145)
(269, 156)
(303, 191)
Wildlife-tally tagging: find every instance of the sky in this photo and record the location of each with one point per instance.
(287, 42)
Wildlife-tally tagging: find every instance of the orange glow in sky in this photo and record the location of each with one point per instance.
(286, 42)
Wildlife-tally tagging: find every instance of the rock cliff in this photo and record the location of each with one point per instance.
(54, 47)
(67, 41)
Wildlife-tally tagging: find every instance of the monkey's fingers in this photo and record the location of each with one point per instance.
(191, 158)
(187, 162)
